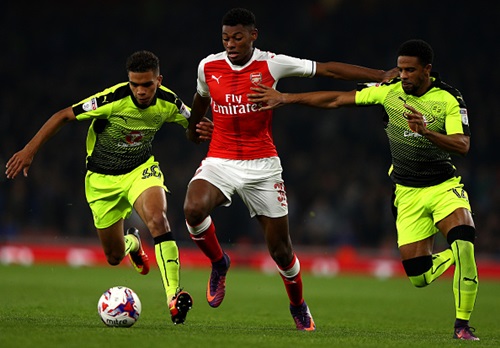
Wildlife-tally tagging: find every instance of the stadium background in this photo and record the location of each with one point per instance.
(55, 53)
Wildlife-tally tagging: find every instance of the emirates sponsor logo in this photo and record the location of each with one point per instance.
(234, 105)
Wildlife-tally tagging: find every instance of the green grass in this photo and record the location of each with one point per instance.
(56, 306)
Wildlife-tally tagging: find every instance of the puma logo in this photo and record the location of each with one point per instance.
(471, 280)
(216, 78)
(435, 269)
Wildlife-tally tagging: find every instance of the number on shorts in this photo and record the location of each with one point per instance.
(460, 194)
(154, 170)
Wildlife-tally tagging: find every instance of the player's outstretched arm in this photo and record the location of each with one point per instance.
(21, 160)
(198, 110)
(270, 98)
(344, 71)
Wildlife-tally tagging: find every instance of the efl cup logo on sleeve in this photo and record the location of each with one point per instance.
(184, 111)
(90, 105)
(256, 78)
(465, 118)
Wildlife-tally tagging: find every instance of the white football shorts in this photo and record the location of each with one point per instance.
(258, 182)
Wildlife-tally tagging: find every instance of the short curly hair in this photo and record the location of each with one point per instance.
(241, 16)
(417, 48)
(143, 61)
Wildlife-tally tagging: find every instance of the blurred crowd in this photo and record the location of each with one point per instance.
(335, 162)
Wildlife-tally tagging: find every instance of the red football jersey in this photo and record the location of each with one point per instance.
(241, 131)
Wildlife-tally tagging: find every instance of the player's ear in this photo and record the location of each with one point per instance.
(159, 79)
(428, 68)
(254, 33)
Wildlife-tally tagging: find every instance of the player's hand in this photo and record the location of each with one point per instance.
(267, 96)
(391, 74)
(416, 121)
(20, 161)
(204, 129)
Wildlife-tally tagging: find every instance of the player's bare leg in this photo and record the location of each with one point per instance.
(151, 206)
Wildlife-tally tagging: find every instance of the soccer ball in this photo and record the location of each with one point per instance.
(119, 306)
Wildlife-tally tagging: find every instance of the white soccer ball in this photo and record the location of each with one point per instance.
(119, 306)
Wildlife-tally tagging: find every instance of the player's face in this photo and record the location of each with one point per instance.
(144, 85)
(238, 43)
(415, 77)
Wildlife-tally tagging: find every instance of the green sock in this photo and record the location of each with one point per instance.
(440, 263)
(131, 243)
(465, 280)
(167, 258)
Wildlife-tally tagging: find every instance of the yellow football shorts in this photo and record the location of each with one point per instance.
(419, 209)
(112, 197)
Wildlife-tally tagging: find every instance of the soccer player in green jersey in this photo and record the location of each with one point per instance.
(426, 121)
(122, 174)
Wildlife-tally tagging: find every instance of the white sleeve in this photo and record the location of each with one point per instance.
(201, 83)
(281, 65)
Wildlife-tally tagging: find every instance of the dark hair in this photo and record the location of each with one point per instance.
(237, 16)
(417, 48)
(143, 61)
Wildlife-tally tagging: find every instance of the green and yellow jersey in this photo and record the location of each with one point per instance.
(121, 133)
(416, 161)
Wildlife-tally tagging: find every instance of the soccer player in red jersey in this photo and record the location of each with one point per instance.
(242, 157)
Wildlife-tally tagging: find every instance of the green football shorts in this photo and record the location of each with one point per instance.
(419, 209)
(112, 197)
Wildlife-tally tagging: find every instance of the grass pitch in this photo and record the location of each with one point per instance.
(56, 306)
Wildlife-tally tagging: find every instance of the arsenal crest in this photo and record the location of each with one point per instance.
(256, 78)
